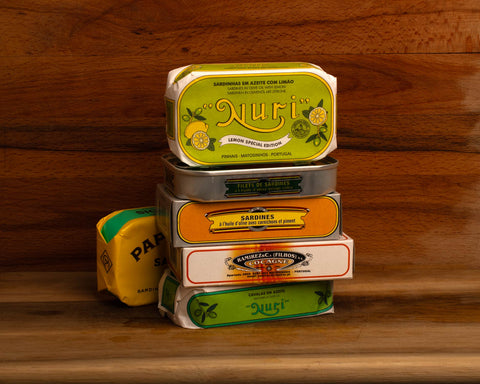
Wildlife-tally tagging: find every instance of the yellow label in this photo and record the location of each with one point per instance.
(217, 222)
(264, 220)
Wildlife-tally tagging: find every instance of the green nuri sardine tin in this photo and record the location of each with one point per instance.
(207, 307)
(223, 114)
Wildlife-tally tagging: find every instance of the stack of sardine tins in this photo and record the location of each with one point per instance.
(249, 207)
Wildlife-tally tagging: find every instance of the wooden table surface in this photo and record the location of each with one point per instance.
(394, 325)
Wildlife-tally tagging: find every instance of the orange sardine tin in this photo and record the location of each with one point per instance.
(187, 222)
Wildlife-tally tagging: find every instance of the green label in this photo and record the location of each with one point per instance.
(256, 118)
(168, 294)
(264, 186)
(115, 223)
(251, 304)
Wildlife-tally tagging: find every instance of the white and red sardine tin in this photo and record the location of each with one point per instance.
(263, 263)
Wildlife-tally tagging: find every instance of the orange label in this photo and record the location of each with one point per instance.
(258, 220)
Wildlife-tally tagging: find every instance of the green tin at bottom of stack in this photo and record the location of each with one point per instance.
(207, 307)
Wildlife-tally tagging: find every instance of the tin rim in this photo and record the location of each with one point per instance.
(175, 164)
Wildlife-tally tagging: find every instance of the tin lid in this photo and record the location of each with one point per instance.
(234, 68)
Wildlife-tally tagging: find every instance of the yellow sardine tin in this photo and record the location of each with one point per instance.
(220, 114)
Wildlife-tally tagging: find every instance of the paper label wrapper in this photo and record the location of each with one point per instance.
(130, 255)
(220, 114)
(207, 307)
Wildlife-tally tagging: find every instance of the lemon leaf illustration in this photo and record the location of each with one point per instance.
(322, 297)
(320, 104)
(189, 112)
(211, 147)
(306, 112)
(322, 136)
(212, 307)
(311, 138)
(201, 118)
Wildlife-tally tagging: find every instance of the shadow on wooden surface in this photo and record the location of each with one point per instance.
(401, 326)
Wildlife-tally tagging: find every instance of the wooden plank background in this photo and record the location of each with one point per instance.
(82, 115)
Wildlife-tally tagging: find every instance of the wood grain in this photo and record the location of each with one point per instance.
(400, 207)
(128, 91)
(370, 368)
(200, 29)
(74, 151)
(394, 102)
(386, 328)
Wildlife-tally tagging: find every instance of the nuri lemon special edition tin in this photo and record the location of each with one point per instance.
(220, 114)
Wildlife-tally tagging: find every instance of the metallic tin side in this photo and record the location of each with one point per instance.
(185, 222)
(165, 218)
(252, 182)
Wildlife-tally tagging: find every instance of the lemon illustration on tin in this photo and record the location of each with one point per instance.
(200, 140)
(196, 130)
(317, 116)
(195, 126)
